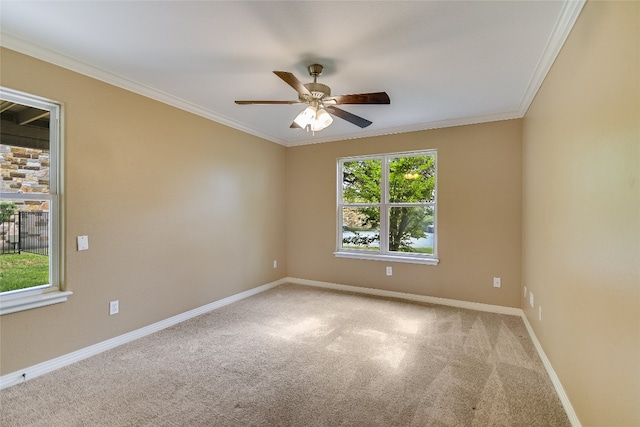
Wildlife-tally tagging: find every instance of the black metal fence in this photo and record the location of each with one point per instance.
(26, 232)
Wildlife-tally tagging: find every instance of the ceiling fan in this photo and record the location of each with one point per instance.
(320, 103)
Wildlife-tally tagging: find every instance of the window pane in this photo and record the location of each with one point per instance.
(361, 181)
(412, 179)
(411, 229)
(24, 149)
(25, 227)
(24, 244)
(361, 228)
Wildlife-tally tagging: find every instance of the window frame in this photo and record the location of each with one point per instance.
(385, 205)
(53, 292)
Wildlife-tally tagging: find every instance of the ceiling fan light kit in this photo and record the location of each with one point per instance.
(320, 103)
(313, 118)
(305, 117)
(322, 121)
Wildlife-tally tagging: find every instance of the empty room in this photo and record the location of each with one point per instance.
(307, 213)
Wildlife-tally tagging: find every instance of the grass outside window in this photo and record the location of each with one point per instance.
(24, 270)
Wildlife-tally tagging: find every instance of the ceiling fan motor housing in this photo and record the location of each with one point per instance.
(318, 90)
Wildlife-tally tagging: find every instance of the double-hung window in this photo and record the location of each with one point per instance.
(30, 235)
(387, 207)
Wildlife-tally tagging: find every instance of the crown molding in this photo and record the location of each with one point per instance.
(56, 58)
(438, 124)
(570, 12)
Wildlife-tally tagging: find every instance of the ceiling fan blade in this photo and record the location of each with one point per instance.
(360, 98)
(345, 115)
(266, 102)
(294, 125)
(293, 81)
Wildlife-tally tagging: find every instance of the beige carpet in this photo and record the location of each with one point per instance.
(302, 356)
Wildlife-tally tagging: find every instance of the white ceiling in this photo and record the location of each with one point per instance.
(443, 63)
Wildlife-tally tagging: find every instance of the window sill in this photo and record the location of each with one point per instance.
(389, 258)
(27, 300)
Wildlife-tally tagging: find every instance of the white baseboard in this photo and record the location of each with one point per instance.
(571, 414)
(411, 297)
(51, 365)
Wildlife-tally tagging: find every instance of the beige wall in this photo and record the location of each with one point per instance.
(479, 214)
(581, 244)
(178, 233)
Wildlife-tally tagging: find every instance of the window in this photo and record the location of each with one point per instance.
(30, 250)
(387, 207)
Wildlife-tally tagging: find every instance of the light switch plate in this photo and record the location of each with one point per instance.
(83, 243)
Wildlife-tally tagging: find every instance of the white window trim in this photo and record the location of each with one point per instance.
(421, 259)
(52, 293)
(31, 298)
(384, 256)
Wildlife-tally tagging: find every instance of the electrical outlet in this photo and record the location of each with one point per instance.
(389, 271)
(497, 282)
(531, 299)
(114, 307)
(275, 263)
(540, 313)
